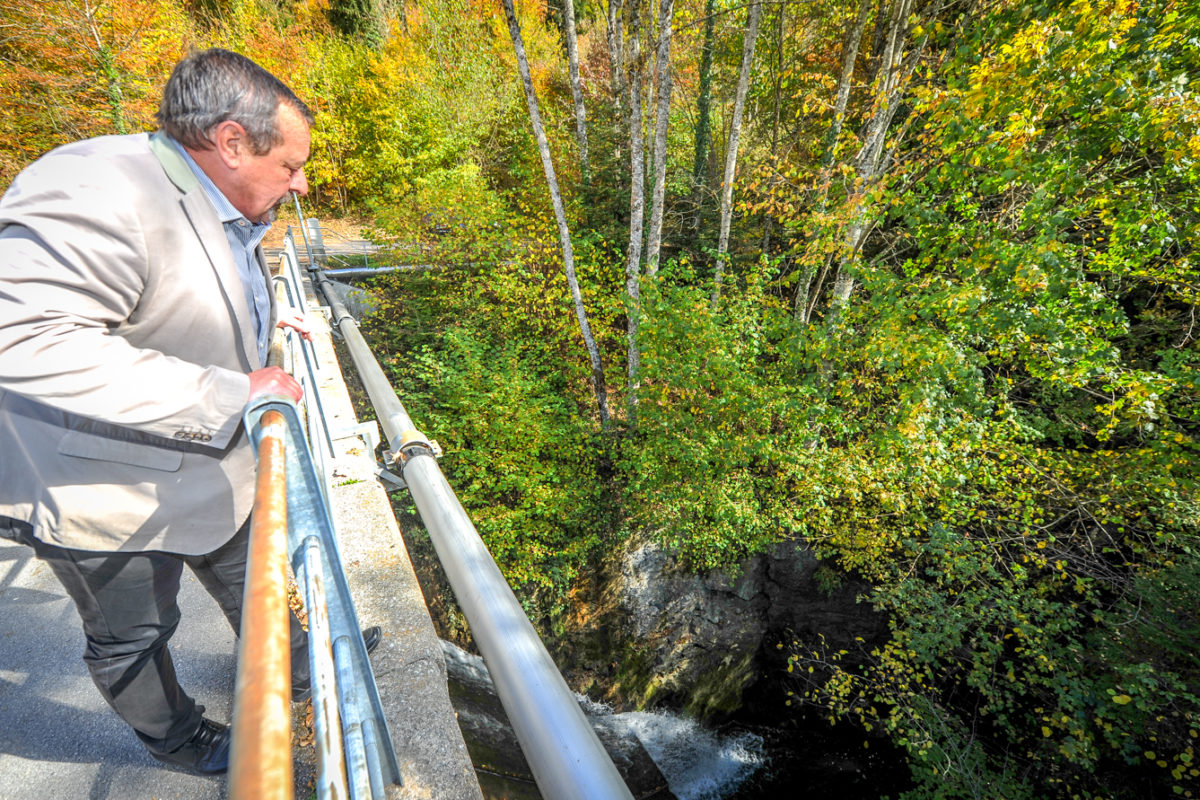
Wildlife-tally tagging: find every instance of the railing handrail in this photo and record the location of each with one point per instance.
(562, 749)
(365, 758)
(261, 754)
(355, 755)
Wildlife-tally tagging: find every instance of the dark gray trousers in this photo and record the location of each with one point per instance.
(127, 602)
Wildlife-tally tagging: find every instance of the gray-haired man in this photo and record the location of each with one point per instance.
(135, 318)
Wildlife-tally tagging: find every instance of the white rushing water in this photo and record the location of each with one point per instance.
(699, 764)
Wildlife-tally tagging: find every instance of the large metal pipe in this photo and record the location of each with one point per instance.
(566, 758)
(261, 764)
(393, 418)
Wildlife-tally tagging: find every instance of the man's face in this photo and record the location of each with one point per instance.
(261, 183)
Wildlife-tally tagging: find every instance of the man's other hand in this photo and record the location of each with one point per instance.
(273, 380)
(291, 318)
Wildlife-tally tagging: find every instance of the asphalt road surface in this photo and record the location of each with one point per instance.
(58, 738)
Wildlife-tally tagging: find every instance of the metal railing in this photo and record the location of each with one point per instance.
(564, 754)
(355, 755)
(261, 763)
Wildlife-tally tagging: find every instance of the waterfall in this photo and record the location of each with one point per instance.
(698, 763)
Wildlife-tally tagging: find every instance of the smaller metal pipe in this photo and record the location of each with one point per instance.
(327, 725)
(318, 434)
(295, 299)
(366, 272)
(261, 764)
(312, 264)
(357, 769)
(374, 769)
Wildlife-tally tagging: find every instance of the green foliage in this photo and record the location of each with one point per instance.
(1039, 283)
(487, 369)
(521, 458)
(717, 422)
(360, 20)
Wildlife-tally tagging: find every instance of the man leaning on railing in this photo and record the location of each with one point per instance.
(135, 318)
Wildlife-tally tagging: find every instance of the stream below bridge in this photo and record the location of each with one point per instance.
(664, 755)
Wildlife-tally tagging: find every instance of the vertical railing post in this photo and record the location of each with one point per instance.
(261, 761)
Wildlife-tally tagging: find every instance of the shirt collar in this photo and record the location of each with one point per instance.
(225, 210)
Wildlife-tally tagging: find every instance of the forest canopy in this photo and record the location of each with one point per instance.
(911, 283)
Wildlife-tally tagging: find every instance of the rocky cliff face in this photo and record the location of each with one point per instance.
(645, 632)
(662, 635)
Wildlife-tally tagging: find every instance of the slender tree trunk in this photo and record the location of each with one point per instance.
(577, 89)
(615, 35)
(767, 228)
(731, 151)
(850, 48)
(894, 70)
(662, 118)
(564, 234)
(637, 204)
(107, 66)
(703, 114)
(849, 57)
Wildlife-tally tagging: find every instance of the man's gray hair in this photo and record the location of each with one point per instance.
(209, 87)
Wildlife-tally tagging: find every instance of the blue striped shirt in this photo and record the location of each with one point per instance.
(244, 237)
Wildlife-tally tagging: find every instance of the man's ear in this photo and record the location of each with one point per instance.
(229, 139)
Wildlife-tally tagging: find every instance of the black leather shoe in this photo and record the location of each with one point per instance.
(206, 753)
(372, 636)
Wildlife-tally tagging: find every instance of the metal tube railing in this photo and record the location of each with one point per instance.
(261, 759)
(345, 690)
(566, 757)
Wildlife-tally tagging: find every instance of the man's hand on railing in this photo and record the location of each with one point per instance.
(273, 380)
(290, 318)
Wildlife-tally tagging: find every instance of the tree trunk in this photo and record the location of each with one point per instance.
(637, 204)
(731, 151)
(767, 228)
(576, 89)
(107, 67)
(703, 114)
(803, 305)
(564, 234)
(666, 13)
(849, 57)
(891, 79)
(614, 34)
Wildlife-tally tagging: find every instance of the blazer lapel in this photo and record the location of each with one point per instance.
(211, 235)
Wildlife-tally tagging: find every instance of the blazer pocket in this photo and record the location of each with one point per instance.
(98, 448)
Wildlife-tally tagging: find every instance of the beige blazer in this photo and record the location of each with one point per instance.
(125, 344)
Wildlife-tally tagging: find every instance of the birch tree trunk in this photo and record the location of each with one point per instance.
(662, 118)
(614, 33)
(803, 304)
(637, 205)
(577, 89)
(891, 80)
(849, 57)
(770, 223)
(731, 151)
(703, 114)
(564, 234)
(107, 67)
